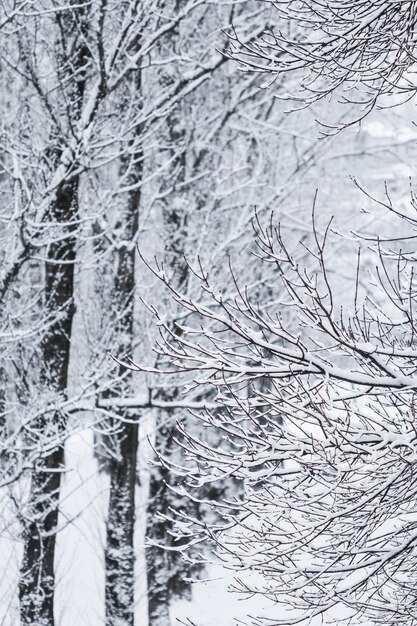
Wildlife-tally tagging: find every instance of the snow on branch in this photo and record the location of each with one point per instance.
(366, 44)
(318, 424)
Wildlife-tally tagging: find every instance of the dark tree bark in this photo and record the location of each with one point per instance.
(37, 581)
(166, 571)
(120, 553)
(160, 571)
(122, 466)
(40, 519)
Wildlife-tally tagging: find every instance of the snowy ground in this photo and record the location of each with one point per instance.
(212, 603)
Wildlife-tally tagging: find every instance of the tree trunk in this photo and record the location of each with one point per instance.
(120, 552)
(48, 432)
(37, 577)
(164, 577)
(166, 570)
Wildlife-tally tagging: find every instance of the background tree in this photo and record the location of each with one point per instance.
(361, 52)
(46, 430)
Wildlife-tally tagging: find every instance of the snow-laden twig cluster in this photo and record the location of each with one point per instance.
(320, 428)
